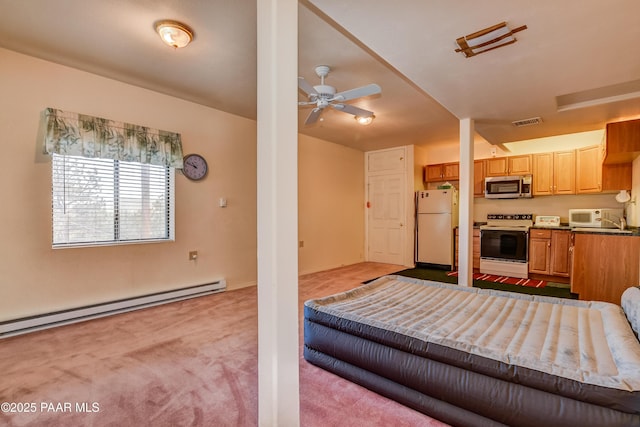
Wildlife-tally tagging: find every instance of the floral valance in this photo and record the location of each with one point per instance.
(76, 134)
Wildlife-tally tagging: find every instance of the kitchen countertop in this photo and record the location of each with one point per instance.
(562, 226)
(634, 231)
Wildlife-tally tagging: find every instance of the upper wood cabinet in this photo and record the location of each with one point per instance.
(478, 178)
(564, 172)
(442, 172)
(433, 173)
(623, 142)
(451, 172)
(512, 165)
(520, 165)
(554, 173)
(543, 174)
(622, 146)
(617, 177)
(592, 176)
(589, 169)
(496, 166)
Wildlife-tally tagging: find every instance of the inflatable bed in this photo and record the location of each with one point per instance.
(476, 357)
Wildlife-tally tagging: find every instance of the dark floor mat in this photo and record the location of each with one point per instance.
(441, 276)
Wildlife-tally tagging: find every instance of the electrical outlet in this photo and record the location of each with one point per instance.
(193, 255)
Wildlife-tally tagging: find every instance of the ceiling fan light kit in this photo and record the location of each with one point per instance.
(174, 33)
(487, 39)
(362, 120)
(322, 96)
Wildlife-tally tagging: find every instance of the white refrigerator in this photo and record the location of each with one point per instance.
(436, 218)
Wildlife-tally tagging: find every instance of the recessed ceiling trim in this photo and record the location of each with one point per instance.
(599, 96)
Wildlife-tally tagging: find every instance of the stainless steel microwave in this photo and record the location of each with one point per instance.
(507, 187)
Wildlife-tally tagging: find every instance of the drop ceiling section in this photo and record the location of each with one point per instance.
(569, 46)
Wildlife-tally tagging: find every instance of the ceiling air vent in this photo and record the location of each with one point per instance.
(527, 122)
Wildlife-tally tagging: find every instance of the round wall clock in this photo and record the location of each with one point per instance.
(195, 167)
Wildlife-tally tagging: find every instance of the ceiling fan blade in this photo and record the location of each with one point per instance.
(352, 110)
(313, 116)
(367, 90)
(306, 87)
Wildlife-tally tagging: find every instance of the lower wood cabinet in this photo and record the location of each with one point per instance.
(476, 249)
(604, 266)
(549, 252)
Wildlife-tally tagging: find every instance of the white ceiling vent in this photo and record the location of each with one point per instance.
(528, 122)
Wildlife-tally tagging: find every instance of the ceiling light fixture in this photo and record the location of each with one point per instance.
(488, 39)
(174, 33)
(365, 120)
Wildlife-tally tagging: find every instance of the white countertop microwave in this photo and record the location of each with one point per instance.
(595, 218)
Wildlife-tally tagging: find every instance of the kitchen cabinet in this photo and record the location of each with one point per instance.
(604, 266)
(564, 172)
(617, 177)
(512, 165)
(594, 176)
(549, 252)
(554, 173)
(476, 248)
(478, 178)
(589, 169)
(442, 172)
(539, 251)
(560, 253)
(622, 142)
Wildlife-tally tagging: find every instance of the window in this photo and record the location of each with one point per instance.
(107, 202)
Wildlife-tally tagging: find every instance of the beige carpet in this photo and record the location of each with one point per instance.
(191, 363)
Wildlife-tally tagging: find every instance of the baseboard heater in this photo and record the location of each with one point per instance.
(64, 317)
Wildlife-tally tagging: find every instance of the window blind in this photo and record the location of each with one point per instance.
(104, 202)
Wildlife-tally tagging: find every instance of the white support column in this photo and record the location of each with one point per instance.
(277, 151)
(465, 222)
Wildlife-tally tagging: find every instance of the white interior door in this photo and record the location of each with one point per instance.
(386, 218)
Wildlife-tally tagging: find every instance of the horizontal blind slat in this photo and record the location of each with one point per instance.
(101, 201)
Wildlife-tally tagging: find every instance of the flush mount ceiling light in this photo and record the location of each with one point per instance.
(174, 33)
(365, 120)
(488, 39)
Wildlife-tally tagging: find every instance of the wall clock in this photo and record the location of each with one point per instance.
(195, 167)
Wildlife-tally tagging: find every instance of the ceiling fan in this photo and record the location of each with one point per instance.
(323, 96)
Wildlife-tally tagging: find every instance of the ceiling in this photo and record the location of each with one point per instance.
(573, 51)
